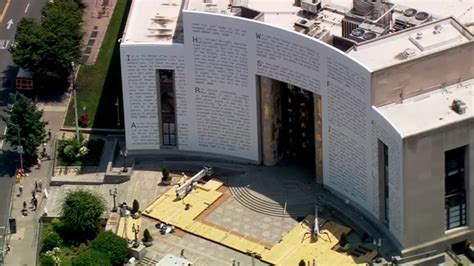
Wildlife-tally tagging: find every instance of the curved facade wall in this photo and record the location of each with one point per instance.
(217, 100)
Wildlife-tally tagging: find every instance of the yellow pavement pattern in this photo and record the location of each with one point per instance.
(296, 245)
(4, 11)
(125, 227)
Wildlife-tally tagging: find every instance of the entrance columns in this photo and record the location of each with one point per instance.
(270, 104)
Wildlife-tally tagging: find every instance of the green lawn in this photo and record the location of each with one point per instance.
(100, 85)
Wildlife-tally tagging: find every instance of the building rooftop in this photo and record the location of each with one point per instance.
(431, 110)
(159, 21)
(410, 44)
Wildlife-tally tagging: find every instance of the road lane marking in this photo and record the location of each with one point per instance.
(4, 11)
(4, 44)
(9, 24)
(27, 6)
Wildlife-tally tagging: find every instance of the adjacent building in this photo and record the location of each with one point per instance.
(386, 121)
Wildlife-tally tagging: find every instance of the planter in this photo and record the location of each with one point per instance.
(166, 182)
(136, 215)
(147, 243)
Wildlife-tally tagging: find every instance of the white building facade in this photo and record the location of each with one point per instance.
(196, 85)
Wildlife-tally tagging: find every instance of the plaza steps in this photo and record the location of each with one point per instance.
(146, 261)
(247, 199)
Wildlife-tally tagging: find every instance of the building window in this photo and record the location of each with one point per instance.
(167, 103)
(383, 181)
(455, 188)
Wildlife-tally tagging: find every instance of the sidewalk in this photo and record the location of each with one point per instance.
(23, 244)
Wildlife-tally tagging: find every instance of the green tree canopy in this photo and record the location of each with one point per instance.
(25, 125)
(48, 48)
(82, 211)
(111, 244)
(91, 257)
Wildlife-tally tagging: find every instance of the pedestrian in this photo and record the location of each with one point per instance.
(40, 185)
(38, 161)
(36, 185)
(20, 190)
(35, 204)
(33, 193)
(182, 253)
(49, 134)
(24, 205)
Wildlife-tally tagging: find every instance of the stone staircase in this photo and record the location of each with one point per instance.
(146, 261)
(247, 199)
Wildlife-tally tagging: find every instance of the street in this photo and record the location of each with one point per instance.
(11, 12)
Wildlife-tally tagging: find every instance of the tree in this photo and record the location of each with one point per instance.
(113, 246)
(48, 48)
(25, 125)
(135, 206)
(50, 241)
(82, 211)
(91, 257)
(46, 260)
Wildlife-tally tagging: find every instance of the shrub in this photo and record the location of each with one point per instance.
(91, 257)
(344, 240)
(46, 260)
(82, 211)
(166, 174)
(111, 245)
(50, 241)
(135, 206)
(69, 150)
(147, 236)
(302, 263)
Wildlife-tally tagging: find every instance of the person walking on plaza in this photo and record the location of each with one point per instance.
(20, 190)
(49, 134)
(35, 204)
(38, 161)
(40, 185)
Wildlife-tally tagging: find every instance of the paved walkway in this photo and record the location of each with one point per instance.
(97, 15)
(23, 244)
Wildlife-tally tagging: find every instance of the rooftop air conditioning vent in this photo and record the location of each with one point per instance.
(369, 35)
(422, 15)
(410, 12)
(458, 106)
(303, 21)
(358, 32)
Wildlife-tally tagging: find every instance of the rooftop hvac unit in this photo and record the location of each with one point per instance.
(411, 18)
(304, 25)
(361, 35)
(311, 6)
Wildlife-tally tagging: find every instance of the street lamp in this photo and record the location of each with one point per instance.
(114, 195)
(124, 153)
(136, 230)
(75, 104)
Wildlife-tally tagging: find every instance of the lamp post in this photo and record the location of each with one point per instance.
(19, 148)
(75, 104)
(118, 111)
(124, 153)
(136, 230)
(114, 195)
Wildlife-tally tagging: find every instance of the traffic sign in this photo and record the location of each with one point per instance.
(20, 150)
